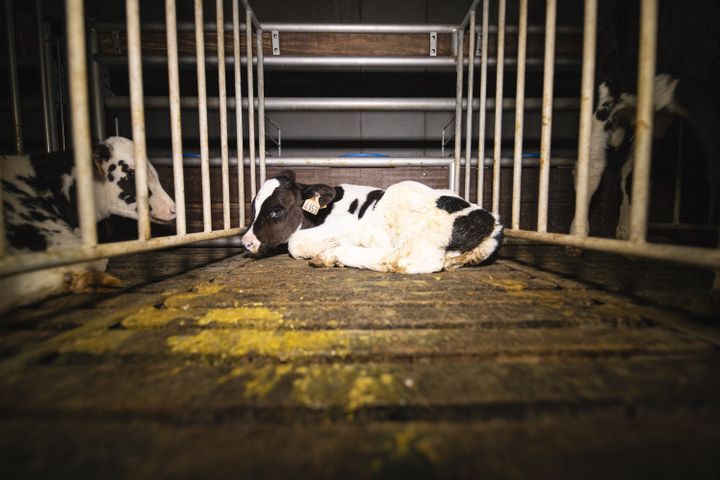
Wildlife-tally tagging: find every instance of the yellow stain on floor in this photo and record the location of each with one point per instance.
(507, 284)
(257, 317)
(98, 343)
(151, 317)
(183, 300)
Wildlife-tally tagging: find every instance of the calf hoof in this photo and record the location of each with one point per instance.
(90, 281)
(573, 251)
(323, 261)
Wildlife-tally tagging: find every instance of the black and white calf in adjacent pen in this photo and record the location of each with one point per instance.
(687, 84)
(40, 208)
(408, 228)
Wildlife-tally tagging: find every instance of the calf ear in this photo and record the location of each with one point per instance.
(286, 177)
(326, 193)
(101, 154)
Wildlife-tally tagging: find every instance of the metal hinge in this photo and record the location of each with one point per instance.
(275, 42)
(433, 44)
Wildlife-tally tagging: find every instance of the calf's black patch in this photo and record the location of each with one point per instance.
(353, 207)
(451, 204)
(471, 229)
(372, 199)
(26, 236)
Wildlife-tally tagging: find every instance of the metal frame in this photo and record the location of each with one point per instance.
(81, 125)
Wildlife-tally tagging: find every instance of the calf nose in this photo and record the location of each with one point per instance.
(251, 243)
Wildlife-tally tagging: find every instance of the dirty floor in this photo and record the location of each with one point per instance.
(209, 364)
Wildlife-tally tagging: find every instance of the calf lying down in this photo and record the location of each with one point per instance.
(40, 209)
(408, 228)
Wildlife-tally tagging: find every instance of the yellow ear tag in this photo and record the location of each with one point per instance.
(312, 205)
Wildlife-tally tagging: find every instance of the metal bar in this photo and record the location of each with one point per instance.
(251, 103)
(498, 110)
(202, 112)
(2, 217)
(586, 108)
(44, 78)
(98, 102)
(253, 18)
(34, 261)
(349, 103)
(470, 86)
(238, 111)
(222, 92)
(138, 117)
(358, 28)
(519, 115)
(547, 114)
(470, 13)
(77, 76)
(458, 111)
(677, 200)
(175, 123)
(261, 104)
(13, 72)
(644, 121)
(684, 226)
(52, 86)
(482, 107)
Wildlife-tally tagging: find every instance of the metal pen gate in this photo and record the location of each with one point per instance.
(83, 104)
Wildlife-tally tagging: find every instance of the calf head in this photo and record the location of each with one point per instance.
(277, 211)
(115, 194)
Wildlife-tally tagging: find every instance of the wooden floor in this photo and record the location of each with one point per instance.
(210, 364)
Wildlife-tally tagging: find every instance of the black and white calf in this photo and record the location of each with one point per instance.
(40, 208)
(408, 228)
(687, 84)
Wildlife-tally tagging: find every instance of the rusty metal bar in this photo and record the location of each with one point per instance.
(238, 112)
(470, 82)
(222, 93)
(251, 103)
(547, 114)
(483, 100)
(175, 123)
(261, 104)
(498, 106)
(519, 115)
(202, 113)
(644, 121)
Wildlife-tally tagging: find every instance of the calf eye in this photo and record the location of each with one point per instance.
(276, 212)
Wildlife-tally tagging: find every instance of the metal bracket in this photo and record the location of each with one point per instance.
(433, 44)
(478, 45)
(275, 42)
(117, 45)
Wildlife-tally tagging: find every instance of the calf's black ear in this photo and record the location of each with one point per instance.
(286, 176)
(326, 193)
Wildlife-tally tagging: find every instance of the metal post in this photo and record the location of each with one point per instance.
(44, 85)
(2, 218)
(586, 110)
(51, 80)
(238, 113)
(547, 111)
(202, 111)
(677, 200)
(644, 121)
(222, 92)
(98, 101)
(485, 32)
(61, 91)
(175, 124)
(468, 118)
(12, 69)
(251, 102)
(519, 117)
(498, 106)
(458, 110)
(261, 103)
(137, 113)
(77, 74)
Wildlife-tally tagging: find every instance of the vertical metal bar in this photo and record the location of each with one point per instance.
(498, 106)
(61, 91)
(238, 113)
(12, 69)
(175, 123)
(458, 110)
(251, 101)
(80, 115)
(586, 109)
(202, 111)
(468, 118)
(2, 218)
(44, 85)
(644, 121)
(483, 101)
(519, 115)
(52, 86)
(677, 200)
(547, 112)
(137, 116)
(261, 103)
(98, 100)
(222, 91)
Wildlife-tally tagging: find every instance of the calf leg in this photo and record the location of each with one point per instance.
(377, 259)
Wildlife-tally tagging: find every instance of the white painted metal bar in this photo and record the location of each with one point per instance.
(202, 113)
(644, 121)
(251, 103)
(96, 90)
(582, 201)
(51, 81)
(175, 123)
(455, 184)
(470, 86)
(467, 16)
(359, 28)
(222, 92)
(12, 71)
(547, 114)
(137, 115)
(47, 107)
(261, 104)
(485, 32)
(498, 109)
(519, 115)
(238, 112)
(252, 16)
(80, 115)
